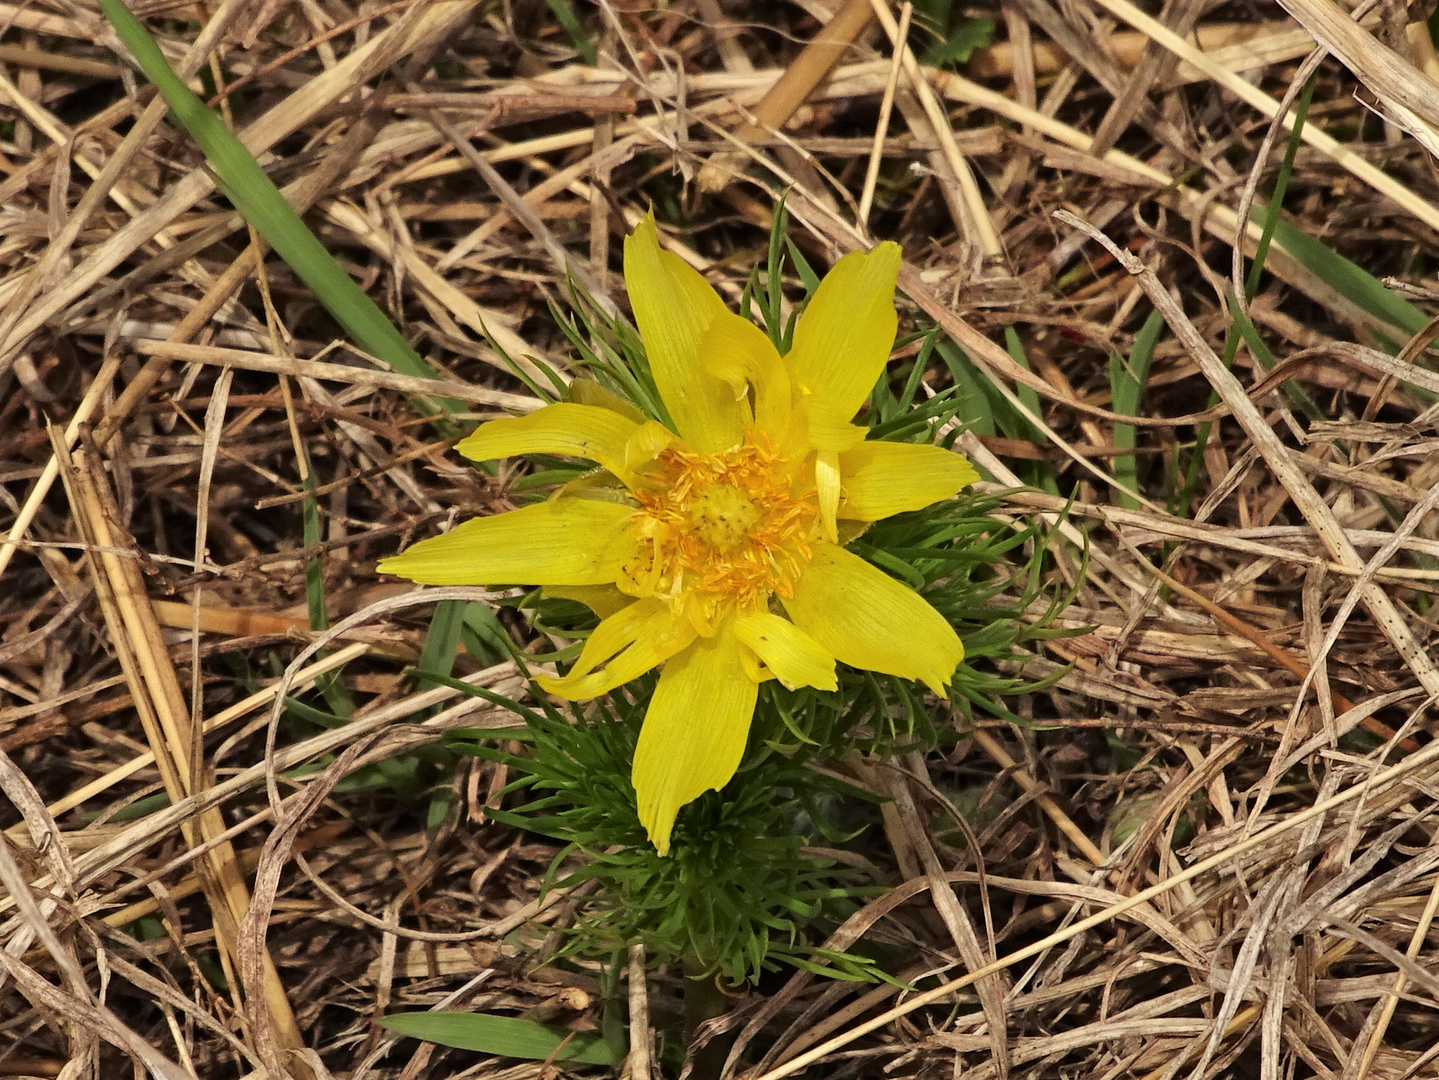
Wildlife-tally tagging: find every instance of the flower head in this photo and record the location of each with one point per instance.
(722, 561)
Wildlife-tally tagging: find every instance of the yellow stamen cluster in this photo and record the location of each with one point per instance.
(721, 531)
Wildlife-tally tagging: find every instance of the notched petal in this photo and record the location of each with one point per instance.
(845, 335)
(794, 657)
(627, 644)
(674, 307)
(737, 351)
(585, 431)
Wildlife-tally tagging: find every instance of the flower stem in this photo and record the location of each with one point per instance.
(704, 1000)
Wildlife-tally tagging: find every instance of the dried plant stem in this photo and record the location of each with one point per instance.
(1380, 181)
(638, 1065)
(792, 87)
(1052, 810)
(218, 722)
(881, 127)
(1315, 509)
(1371, 786)
(156, 693)
(1375, 1042)
(981, 228)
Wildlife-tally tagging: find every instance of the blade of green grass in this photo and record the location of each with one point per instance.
(1126, 384)
(1266, 359)
(1348, 278)
(1271, 224)
(484, 635)
(330, 685)
(567, 18)
(442, 639)
(979, 402)
(504, 1035)
(242, 181)
(1037, 473)
(1281, 186)
(1028, 398)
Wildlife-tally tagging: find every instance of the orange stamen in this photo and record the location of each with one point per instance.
(723, 531)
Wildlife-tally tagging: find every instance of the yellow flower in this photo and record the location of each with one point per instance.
(719, 557)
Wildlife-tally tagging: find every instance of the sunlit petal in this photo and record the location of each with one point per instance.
(829, 432)
(585, 431)
(827, 491)
(740, 353)
(646, 443)
(884, 478)
(603, 600)
(869, 620)
(589, 392)
(694, 733)
(794, 657)
(845, 335)
(808, 429)
(628, 644)
(674, 307)
(559, 542)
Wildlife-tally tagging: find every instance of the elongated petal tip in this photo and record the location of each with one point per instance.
(674, 307)
(559, 542)
(885, 478)
(845, 334)
(867, 619)
(585, 431)
(792, 656)
(694, 732)
(623, 647)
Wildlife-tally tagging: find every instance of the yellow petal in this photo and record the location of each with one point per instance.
(628, 643)
(844, 337)
(869, 620)
(589, 392)
(829, 432)
(827, 490)
(646, 443)
(674, 307)
(809, 430)
(603, 600)
(559, 542)
(740, 353)
(694, 733)
(884, 478)
(795, 658)
(585, 431)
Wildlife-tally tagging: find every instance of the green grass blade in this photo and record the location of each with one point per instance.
(1348, 278)
(980, 402)
(567, 18)
(1281, 185)
(1268, 362)
(442, 639)
(1126, 383)
(504, 1035)
(314, 569)
(331, 685)
(1028, 398)
(255, 196)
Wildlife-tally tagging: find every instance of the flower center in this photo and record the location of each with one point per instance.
(721, 531)
(722, 516)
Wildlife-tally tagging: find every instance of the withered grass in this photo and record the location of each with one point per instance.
(1209, 851)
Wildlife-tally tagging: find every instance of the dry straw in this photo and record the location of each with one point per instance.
(1206, 846)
